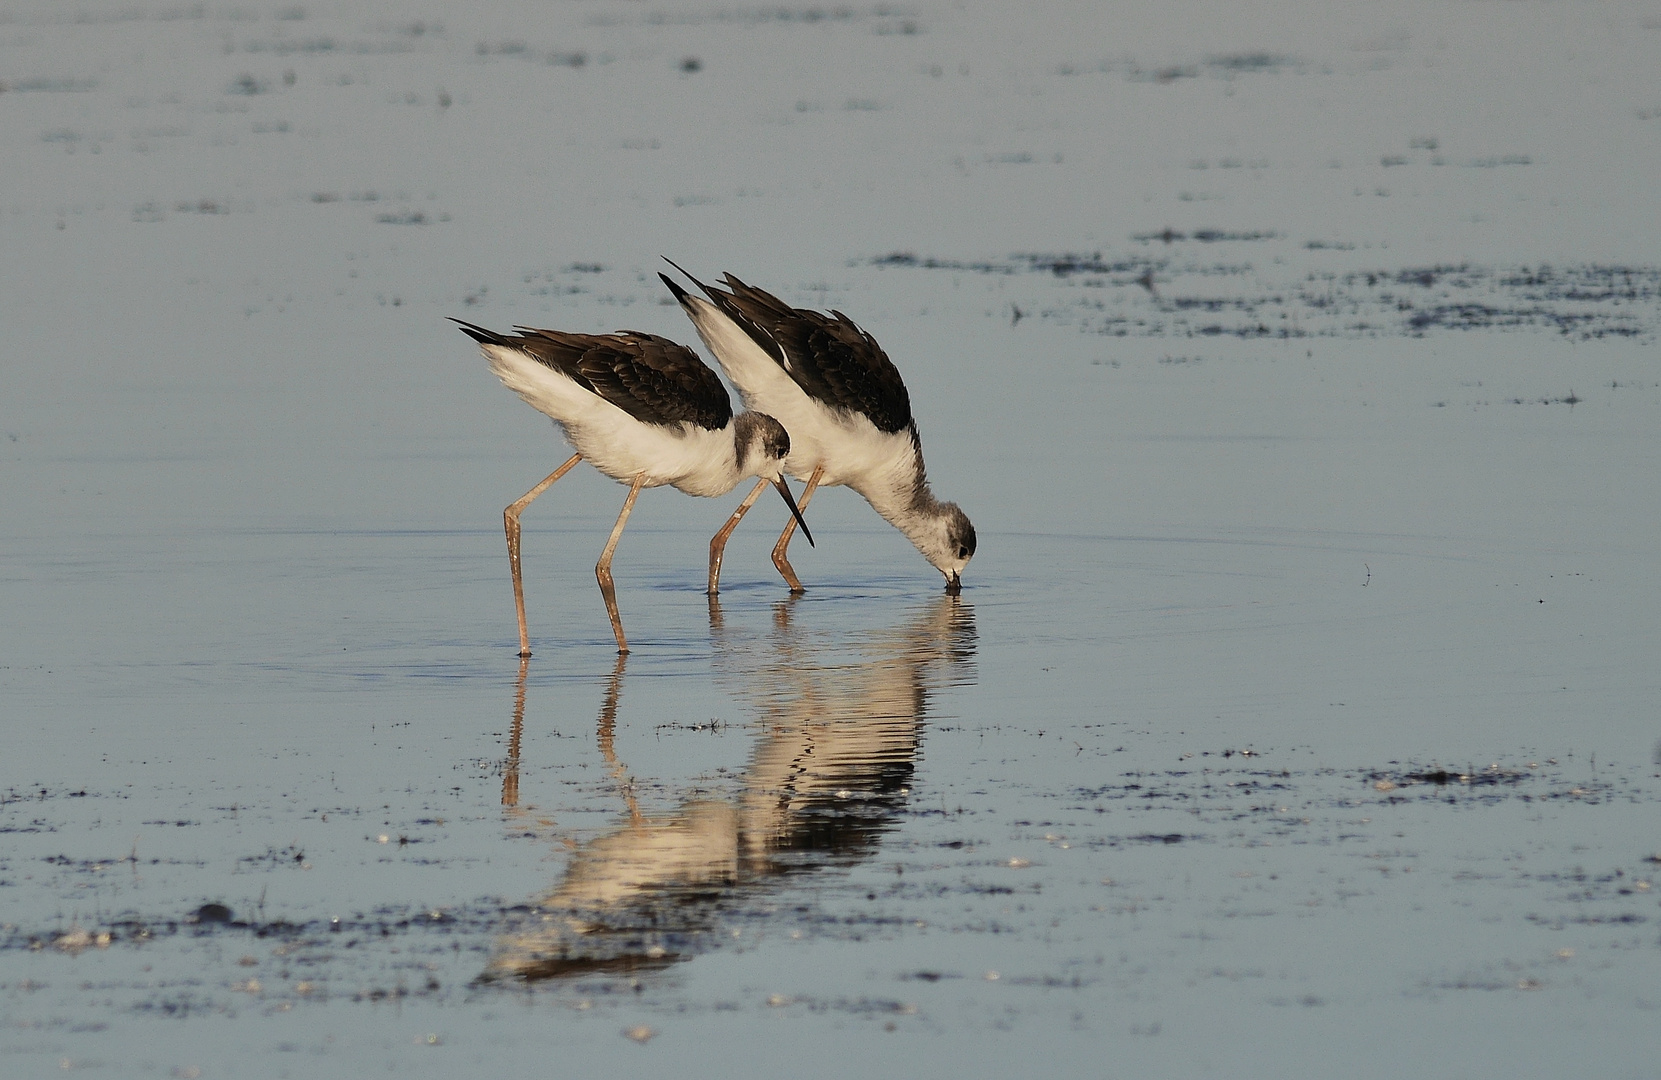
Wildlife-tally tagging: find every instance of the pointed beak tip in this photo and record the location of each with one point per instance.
(789, 500)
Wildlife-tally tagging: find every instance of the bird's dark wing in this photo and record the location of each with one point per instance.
(830, 357)
(653, 379)
(657, 380)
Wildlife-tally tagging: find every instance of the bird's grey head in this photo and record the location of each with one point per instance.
(762, 444)
(948, 541)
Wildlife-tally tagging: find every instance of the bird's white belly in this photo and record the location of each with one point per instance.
(851, 449)
(687, 457)
(693, 459)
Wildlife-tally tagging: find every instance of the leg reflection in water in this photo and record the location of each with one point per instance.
(838, 715)
(510, 768)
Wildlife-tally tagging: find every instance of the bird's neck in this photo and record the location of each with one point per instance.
(902, 496)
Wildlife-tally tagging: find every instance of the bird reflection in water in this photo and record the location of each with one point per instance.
(838, 717)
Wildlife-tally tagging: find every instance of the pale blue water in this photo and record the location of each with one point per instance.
(1297, 714)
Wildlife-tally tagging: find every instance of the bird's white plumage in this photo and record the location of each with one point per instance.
(685, 456)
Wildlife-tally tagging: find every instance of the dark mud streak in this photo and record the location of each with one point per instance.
(1583, 301)
(1234, 800)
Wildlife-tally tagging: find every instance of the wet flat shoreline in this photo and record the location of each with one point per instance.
(1296, 366)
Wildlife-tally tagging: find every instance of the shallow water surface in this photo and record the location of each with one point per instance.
(1296, 717)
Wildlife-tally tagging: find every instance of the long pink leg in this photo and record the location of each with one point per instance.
(602, 569)
(718, 542)
(510, 521)
(779, 558)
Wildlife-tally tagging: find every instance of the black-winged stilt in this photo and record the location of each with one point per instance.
(846, 409)
(643, 410)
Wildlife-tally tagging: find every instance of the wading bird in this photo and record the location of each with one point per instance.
(643, 410)
(846, 409)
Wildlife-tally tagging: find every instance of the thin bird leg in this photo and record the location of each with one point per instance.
(779, 558)
(718, 542)
(602, 569)
(510, 522)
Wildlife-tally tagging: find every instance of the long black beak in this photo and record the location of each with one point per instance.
(784, 489)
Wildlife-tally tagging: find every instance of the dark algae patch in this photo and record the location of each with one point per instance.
(1168, 285)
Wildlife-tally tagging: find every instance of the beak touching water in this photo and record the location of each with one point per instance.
(954, 584)
(784, 489)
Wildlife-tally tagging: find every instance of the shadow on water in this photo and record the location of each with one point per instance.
(838, 718)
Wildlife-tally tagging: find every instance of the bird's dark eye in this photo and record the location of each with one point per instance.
(962, 552)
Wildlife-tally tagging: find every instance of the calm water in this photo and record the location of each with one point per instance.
(1298, 710)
